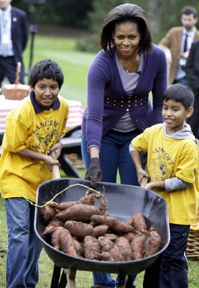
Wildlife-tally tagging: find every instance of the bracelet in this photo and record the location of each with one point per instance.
(139, 170)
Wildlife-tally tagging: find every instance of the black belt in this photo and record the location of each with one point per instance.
(127, 102)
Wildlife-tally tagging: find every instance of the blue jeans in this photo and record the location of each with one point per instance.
(170, 269)
(114, 155)
(24, 246)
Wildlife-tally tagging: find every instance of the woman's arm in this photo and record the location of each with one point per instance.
(159, 87)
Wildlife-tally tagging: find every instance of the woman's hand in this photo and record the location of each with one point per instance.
(94, 173)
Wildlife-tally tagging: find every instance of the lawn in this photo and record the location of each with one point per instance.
(75, 67)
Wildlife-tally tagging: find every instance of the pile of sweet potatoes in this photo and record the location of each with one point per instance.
(81, 229)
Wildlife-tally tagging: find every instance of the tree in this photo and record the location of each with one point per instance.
(71, 13)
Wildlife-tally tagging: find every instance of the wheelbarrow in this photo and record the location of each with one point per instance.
(123, 202)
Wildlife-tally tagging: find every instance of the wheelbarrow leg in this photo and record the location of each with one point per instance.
(129, 281)
(122, 280)
(71, 273)
(63, 281)
(55, 277)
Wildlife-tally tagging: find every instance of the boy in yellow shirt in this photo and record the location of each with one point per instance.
(173, 171)
(33, 129)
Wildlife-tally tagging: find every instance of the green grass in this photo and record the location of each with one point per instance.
(75, 67)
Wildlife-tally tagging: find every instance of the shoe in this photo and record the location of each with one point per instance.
(97, 286)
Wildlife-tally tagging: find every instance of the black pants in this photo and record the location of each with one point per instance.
(8, 67)
(193, 121)
(170, 269)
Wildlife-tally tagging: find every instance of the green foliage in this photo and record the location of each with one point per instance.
(71, 12)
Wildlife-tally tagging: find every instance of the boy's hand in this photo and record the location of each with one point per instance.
(142, 173)
(57, 148)
(149, 186)
(48, 160)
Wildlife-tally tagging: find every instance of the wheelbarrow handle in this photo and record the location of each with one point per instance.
(55, 168)
(144, 181)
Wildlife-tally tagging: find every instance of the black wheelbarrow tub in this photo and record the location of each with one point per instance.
(123, 202)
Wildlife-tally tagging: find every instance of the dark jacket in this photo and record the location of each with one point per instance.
(192, 68)
(19, 26)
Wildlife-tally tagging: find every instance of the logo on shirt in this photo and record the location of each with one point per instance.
(162, 165)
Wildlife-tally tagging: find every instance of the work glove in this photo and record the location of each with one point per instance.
(94, 173)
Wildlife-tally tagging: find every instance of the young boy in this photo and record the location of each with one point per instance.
(33, 130)
(173, 171)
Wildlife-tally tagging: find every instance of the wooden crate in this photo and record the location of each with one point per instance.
(193, 240)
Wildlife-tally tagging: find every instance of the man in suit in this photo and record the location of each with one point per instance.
(192, 71)
(13, 40)
(177, 44)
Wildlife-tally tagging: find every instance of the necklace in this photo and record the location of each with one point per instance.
(126, 65)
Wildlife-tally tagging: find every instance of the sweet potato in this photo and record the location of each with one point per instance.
(152, 244)
(138, 222)
(78, 247)
(63, 205)
(91, 248)
(78, 229)
(125, 248)
(78, 212)
(66, 242)
(130, 236)
(137, 246)
(87, 199)
(102, 207)
(55, 222)
(105, 256)
(99, 230)
(111, 236)
(48, 213)
(113, 223)
(55, 238)
(107, 245)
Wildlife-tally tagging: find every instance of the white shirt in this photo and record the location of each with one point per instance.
(180, 73)
(6, 48)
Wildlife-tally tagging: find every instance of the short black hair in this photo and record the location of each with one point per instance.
(180, 93)
(123, 14)
(187, 10)
(46, 69)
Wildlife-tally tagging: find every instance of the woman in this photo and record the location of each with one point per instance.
(120, 79)
(192, 72)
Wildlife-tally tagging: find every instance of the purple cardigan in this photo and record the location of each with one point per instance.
(104, 80)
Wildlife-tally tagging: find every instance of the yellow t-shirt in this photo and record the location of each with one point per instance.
(35, 131)
(168, 158)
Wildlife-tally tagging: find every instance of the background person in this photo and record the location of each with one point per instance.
(173, 167)
(37, 125)
(192, 71)
(177, 44)
(13, 40)
(120, 79)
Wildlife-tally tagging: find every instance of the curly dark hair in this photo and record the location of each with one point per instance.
(46, 69)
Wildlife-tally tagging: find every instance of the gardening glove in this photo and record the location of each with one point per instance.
(94, 173)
